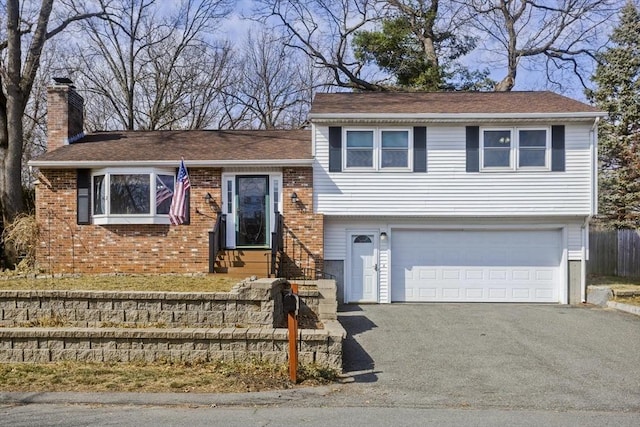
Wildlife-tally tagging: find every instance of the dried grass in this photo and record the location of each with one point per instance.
(144, 283)
(212, 377)
(22, 235)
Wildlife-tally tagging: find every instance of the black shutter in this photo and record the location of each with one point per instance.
(187, 203)
(83, 196)
(557, 149)
(419, 149)
(335, 149)
(473, 149)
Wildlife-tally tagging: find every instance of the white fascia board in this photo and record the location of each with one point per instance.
(91, 164)
(451, 117)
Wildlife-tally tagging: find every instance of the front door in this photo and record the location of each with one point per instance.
(252, 210)
(363, 283)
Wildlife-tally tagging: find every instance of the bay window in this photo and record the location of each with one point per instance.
(127, 197)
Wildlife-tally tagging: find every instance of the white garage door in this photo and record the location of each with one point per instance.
(476, 265)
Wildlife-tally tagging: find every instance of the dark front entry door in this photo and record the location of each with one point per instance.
(253, 214)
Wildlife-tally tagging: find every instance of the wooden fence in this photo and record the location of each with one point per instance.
(614, 253)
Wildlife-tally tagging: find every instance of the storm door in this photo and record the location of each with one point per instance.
(252, 219)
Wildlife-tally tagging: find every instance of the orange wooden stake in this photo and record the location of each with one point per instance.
(292, 324)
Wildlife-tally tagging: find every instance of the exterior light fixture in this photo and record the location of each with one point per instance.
(294, 198)
(383, 236)
(209, 198)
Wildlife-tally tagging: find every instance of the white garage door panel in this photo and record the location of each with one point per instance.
(476, 265)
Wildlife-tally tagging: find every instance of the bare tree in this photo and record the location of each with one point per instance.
(276, 85)
(323, 30)
(27, 28)
(149, 65)
(34, 120)
(562, 31)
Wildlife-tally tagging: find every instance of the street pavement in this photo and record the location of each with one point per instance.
(414, 364)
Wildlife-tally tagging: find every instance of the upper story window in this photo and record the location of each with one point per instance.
(533, 145)
(515, 148)
(377, 149)
(394, 149)
(124, 197)
(360, 148)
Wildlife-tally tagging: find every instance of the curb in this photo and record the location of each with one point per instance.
(603, 296)
(262, 398)
(633, 309)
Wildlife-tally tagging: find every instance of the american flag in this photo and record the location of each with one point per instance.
(162, 191)
(178, 211)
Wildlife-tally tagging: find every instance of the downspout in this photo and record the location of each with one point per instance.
(594, 166)
(594, 208)
(585, 258)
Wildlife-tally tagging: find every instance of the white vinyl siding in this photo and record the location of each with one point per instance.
(574, 242)
(337, 229)
(447, 190)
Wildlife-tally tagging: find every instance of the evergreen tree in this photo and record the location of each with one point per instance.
(618, 94)
(396, 49)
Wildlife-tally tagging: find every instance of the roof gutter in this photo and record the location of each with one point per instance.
(450, 117)
(89, 164)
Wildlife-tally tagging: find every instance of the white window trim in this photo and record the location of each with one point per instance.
(409, 167)
(377, 150)
(514, 150)
(150, 218)
(345, 150)
(547, 149)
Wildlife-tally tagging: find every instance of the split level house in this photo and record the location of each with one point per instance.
(400, 197)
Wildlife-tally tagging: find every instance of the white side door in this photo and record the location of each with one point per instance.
(363, 271)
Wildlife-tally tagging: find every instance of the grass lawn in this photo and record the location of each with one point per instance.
(616, 282)
(214, 377)
(146, 283)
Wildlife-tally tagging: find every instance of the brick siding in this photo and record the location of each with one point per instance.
(66, 247)
(305, 229)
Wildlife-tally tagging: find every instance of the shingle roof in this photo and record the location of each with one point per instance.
(198, 145)
(446, 103)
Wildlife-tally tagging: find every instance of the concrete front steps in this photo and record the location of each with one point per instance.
(244, 263)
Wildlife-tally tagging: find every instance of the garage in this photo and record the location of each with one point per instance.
(470, 265)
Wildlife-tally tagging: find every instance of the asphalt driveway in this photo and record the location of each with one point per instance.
(515, 356)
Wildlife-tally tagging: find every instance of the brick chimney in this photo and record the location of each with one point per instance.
(65, 114)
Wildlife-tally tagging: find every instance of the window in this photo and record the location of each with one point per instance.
(359, 149)
(276, 195)
(378, 149)
(532, 148)
(121, 197)
(229, 196)
(395, 149)
(515, 148)
(497, 148)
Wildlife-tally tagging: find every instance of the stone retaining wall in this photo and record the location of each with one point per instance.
(249, 304)
(244, 324)
(41, 345)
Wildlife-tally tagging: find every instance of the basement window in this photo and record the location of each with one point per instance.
(121, 196)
